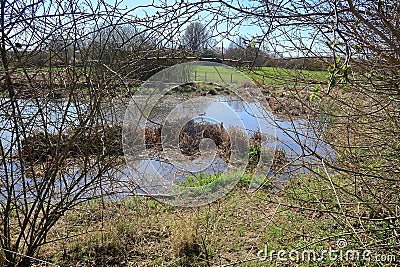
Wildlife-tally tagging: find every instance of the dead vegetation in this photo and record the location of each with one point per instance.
(106, 139)
(225, 232)
(38, 147)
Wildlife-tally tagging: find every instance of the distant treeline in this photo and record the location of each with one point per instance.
(129, 51)
(162, 58)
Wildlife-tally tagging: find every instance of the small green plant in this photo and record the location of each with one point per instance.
(338, 73)
(157, 262)
(199, 180)
(254, 153)
(314, 95)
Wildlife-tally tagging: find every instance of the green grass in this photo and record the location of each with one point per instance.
(270, 76)
(217, 74)
(202, 183)
(200, 180)
(204, 179)
(280, 77)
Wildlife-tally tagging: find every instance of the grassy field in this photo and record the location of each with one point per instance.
(280, 77)
(269, 76)
(217, 73)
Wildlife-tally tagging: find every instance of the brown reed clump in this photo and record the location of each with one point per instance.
(106, 140)
(153, 137)
(192, 133)
(99, 140)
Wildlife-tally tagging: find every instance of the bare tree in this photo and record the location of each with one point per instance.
(43, 140)
(196, 38)
(360, 98)
(246, 50)
(60, 141)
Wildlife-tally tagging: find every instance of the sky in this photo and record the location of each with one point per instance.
(247, 29)
(203, 17)
(216, 25)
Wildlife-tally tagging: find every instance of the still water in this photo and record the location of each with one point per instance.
(300, 139)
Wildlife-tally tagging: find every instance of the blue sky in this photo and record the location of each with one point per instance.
(202, 17)
(247, 31)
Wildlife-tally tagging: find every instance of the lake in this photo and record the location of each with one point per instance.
(300, 140)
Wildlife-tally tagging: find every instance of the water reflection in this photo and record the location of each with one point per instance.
(300, 139)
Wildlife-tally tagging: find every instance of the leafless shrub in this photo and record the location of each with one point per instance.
(80, 53)
(355, 109)
(61, 64)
